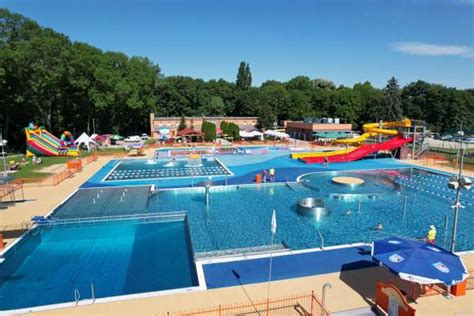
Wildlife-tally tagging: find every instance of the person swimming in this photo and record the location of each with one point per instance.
(348, 212)
(378, 227)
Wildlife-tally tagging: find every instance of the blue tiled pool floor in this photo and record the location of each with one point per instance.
(290, 266)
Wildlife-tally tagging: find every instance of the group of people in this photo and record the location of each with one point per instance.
(271, 173)
(15, 165)
(36, 160)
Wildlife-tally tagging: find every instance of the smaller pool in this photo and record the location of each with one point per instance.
(50, 264)
(140, 169)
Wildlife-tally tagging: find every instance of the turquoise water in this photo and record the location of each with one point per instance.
(141, 169)
(122, 257)
(239, 217)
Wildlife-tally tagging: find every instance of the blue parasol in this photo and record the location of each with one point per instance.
(418, 261)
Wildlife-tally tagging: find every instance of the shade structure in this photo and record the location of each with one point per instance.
(418, 261)
(86, 141)
(190, 132)
(276, 134)
(252, 134)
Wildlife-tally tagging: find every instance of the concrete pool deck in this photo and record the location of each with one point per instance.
(351, 289)
(42, 199)
(356, 287)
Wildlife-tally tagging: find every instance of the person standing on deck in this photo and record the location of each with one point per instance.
(264, 175)
(272, 174)
(431, 236)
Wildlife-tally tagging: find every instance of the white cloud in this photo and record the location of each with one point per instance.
(419, 48)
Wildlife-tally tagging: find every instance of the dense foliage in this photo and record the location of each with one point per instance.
(48, 79)
(209, 130)
(230, 129)
(182, 123)
(244, 76)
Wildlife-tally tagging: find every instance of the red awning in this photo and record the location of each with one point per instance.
(190, 132)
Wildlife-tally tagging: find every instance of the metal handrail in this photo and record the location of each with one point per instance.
(323, 298)
(322, 238)
(113, 218)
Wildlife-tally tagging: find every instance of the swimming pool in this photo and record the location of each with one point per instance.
(52, 263)
(141, 169)
(406, 201)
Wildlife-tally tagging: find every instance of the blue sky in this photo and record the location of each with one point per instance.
(346, 41)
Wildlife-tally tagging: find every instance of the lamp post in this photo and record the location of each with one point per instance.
(458, 182)
(3, 144)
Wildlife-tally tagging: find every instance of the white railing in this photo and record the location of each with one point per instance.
(166, 216)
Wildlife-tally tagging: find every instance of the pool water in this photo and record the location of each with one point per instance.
(140, 169)
(406, 201)
(118, 258)
(104, 202)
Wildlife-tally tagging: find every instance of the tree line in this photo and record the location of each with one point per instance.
(50, 80)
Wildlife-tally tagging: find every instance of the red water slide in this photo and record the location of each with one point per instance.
(362, 151)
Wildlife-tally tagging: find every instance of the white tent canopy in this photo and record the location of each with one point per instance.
(86, 141)
(252, 134)
(276, 134)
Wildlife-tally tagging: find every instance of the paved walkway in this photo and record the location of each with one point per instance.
(439, 167)
(42, 199)
(351, 289)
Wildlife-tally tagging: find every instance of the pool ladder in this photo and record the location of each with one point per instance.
(77, 295)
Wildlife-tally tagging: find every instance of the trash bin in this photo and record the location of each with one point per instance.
(459, 289)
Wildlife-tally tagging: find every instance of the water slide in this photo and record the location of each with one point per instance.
(370, 130)
(361, 151)
(374, 129)
(40, 142)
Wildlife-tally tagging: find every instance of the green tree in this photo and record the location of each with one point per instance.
(209, 130)
(391, 109)
(323, 84)
(266, 117)
(244, 76)
(370, 98)
(182, 123)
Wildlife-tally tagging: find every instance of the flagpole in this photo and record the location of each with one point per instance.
(269, 275)
(273, 229)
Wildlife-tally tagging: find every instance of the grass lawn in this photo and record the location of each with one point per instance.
(31, 170)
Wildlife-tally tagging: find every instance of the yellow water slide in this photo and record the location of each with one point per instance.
(322, 153)
(370, 130)
(374, 129)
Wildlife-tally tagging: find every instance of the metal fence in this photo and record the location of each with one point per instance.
(302, 304)
(58, 177)
(11, 192)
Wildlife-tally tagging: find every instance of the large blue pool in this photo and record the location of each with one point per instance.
(120, 257)
(406, 201)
